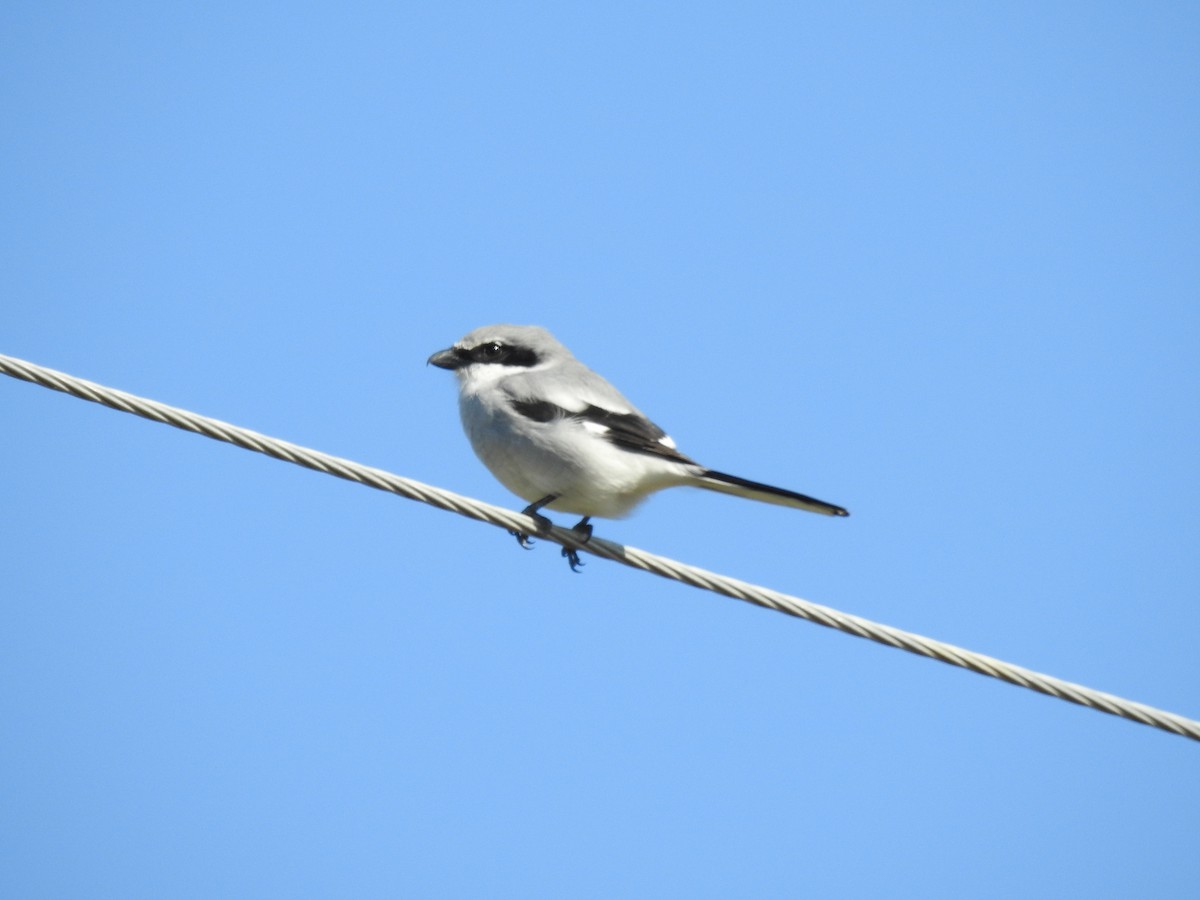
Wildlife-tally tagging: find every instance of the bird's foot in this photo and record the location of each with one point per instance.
(584, 530)
(543, 523)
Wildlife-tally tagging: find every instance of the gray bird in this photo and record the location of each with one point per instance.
(555, 433)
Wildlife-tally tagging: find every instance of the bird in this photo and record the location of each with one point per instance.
(561, 437)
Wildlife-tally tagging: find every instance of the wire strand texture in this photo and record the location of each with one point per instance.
(630, 556)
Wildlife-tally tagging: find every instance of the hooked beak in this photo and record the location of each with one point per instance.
(445, 359)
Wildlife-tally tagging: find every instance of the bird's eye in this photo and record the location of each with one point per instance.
(492, 350)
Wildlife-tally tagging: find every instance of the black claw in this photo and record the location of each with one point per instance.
(584, 530)
(524, 540)
(543, 523)
(573, 559)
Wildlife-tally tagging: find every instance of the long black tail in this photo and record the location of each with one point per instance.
(743, 487)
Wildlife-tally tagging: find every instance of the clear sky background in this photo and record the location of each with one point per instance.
(938, 263)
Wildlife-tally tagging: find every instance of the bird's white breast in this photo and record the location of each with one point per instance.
(566, 457)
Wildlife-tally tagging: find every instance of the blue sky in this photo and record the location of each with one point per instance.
(935, 262)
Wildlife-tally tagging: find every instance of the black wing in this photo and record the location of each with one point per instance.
(629, 431)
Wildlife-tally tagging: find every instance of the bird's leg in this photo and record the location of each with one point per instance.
(543, 523)
(584, 530)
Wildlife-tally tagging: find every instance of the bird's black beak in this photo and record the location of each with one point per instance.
(445, 359)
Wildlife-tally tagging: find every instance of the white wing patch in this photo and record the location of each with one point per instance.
(666, 441)
(595, 427)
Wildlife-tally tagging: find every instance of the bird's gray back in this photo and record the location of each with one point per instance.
(570, 384)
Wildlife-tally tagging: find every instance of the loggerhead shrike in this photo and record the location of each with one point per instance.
(558, 435)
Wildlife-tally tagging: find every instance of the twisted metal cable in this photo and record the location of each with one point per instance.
(630, 556)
